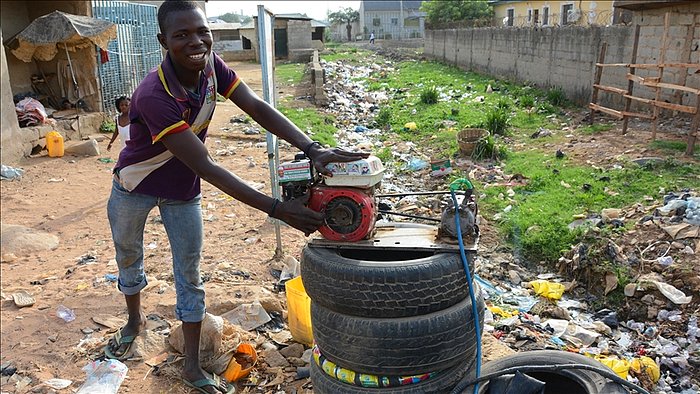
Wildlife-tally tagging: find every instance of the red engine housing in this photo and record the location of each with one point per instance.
(350, 213)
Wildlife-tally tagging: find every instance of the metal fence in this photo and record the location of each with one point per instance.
(603, 18)
(135, 51)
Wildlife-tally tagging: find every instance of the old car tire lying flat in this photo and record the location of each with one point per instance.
(442, 383)
(570, 381)
(398, 346)
(383, 284)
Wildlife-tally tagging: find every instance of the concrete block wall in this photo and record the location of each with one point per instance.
(563, 58)
(298, 34)
(318, 78)
(566, 57)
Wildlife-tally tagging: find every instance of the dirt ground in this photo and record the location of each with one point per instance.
(67, 197)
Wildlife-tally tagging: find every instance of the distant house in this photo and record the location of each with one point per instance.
(295, 36)
(391, 19)
(521, 13)
(229, 43)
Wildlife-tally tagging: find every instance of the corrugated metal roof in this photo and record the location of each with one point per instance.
(224, 26)
(293, 16)
(315, 23)
(390, 5)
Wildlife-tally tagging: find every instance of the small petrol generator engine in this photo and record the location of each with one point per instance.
(347, 199)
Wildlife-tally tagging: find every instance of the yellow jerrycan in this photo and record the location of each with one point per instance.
(54, 144)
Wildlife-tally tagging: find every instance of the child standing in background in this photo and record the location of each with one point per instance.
(121, 121)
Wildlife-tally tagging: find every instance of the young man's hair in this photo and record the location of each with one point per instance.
(170, 6)
(119, 100)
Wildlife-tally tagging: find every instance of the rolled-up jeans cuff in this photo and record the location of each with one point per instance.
(132, 290)
(190, 316)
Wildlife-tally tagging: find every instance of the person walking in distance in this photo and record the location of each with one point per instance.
(162, 166)
(371, 37)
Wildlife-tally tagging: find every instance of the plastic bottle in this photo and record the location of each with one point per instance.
(54, 144)
(65, 313)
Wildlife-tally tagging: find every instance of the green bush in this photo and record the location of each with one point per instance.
(489, 148)
(497, 121)
(527, 101)
(107, 126)
(556, 96)
(503, 104)
(429, 95)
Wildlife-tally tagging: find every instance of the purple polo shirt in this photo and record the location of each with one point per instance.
(161, 106)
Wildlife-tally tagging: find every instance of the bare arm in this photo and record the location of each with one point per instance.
(114, 135)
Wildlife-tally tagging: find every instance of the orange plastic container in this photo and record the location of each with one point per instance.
(299, 311)
(54, 144)
(241, 363)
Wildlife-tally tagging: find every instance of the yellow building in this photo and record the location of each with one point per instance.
(520, 13)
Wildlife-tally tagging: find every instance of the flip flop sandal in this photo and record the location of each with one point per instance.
(120, 340)
(214, 381)
(23, 299)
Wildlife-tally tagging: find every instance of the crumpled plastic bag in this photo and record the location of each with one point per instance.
(646, 365)
(547, 289)
(673, 294)
(620, 367)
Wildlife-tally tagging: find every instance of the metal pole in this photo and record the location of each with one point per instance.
(266, 23)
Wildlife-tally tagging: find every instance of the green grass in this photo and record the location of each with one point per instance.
(291, 73)
(679, 146)
(462, 89)
(537, 224)
(318, 126)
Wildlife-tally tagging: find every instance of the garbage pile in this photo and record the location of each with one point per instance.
(651, 338)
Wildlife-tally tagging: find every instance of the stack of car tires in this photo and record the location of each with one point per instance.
(389, 321)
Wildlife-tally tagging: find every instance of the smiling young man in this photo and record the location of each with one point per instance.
(164, 162)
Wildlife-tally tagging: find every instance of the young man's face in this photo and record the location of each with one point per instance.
(188, 39)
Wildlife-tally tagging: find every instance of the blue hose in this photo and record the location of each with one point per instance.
(465, 262)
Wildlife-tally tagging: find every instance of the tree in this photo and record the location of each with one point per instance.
(439, 12)
(234, 18)
(347, 16)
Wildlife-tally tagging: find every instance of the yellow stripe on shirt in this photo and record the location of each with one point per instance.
(179, 126)
(162, 80)
(233, 87)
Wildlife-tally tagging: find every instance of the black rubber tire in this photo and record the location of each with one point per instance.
(399, 346)
(383, 284)
(441, 384)
(570, 381)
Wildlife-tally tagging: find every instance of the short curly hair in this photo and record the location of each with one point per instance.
(170, 6)
(119, 100)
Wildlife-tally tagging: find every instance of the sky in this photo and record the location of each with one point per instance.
(314, 9)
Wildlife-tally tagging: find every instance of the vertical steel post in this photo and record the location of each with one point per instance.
(266, 25)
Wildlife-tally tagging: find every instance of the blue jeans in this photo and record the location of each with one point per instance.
(127, 214)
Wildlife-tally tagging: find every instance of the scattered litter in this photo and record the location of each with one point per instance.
(65, 313)
(58, 384)
(10, 173)
(673, 294)
(23, 299)
(547, 289)
(103, 377)
(248, 316)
